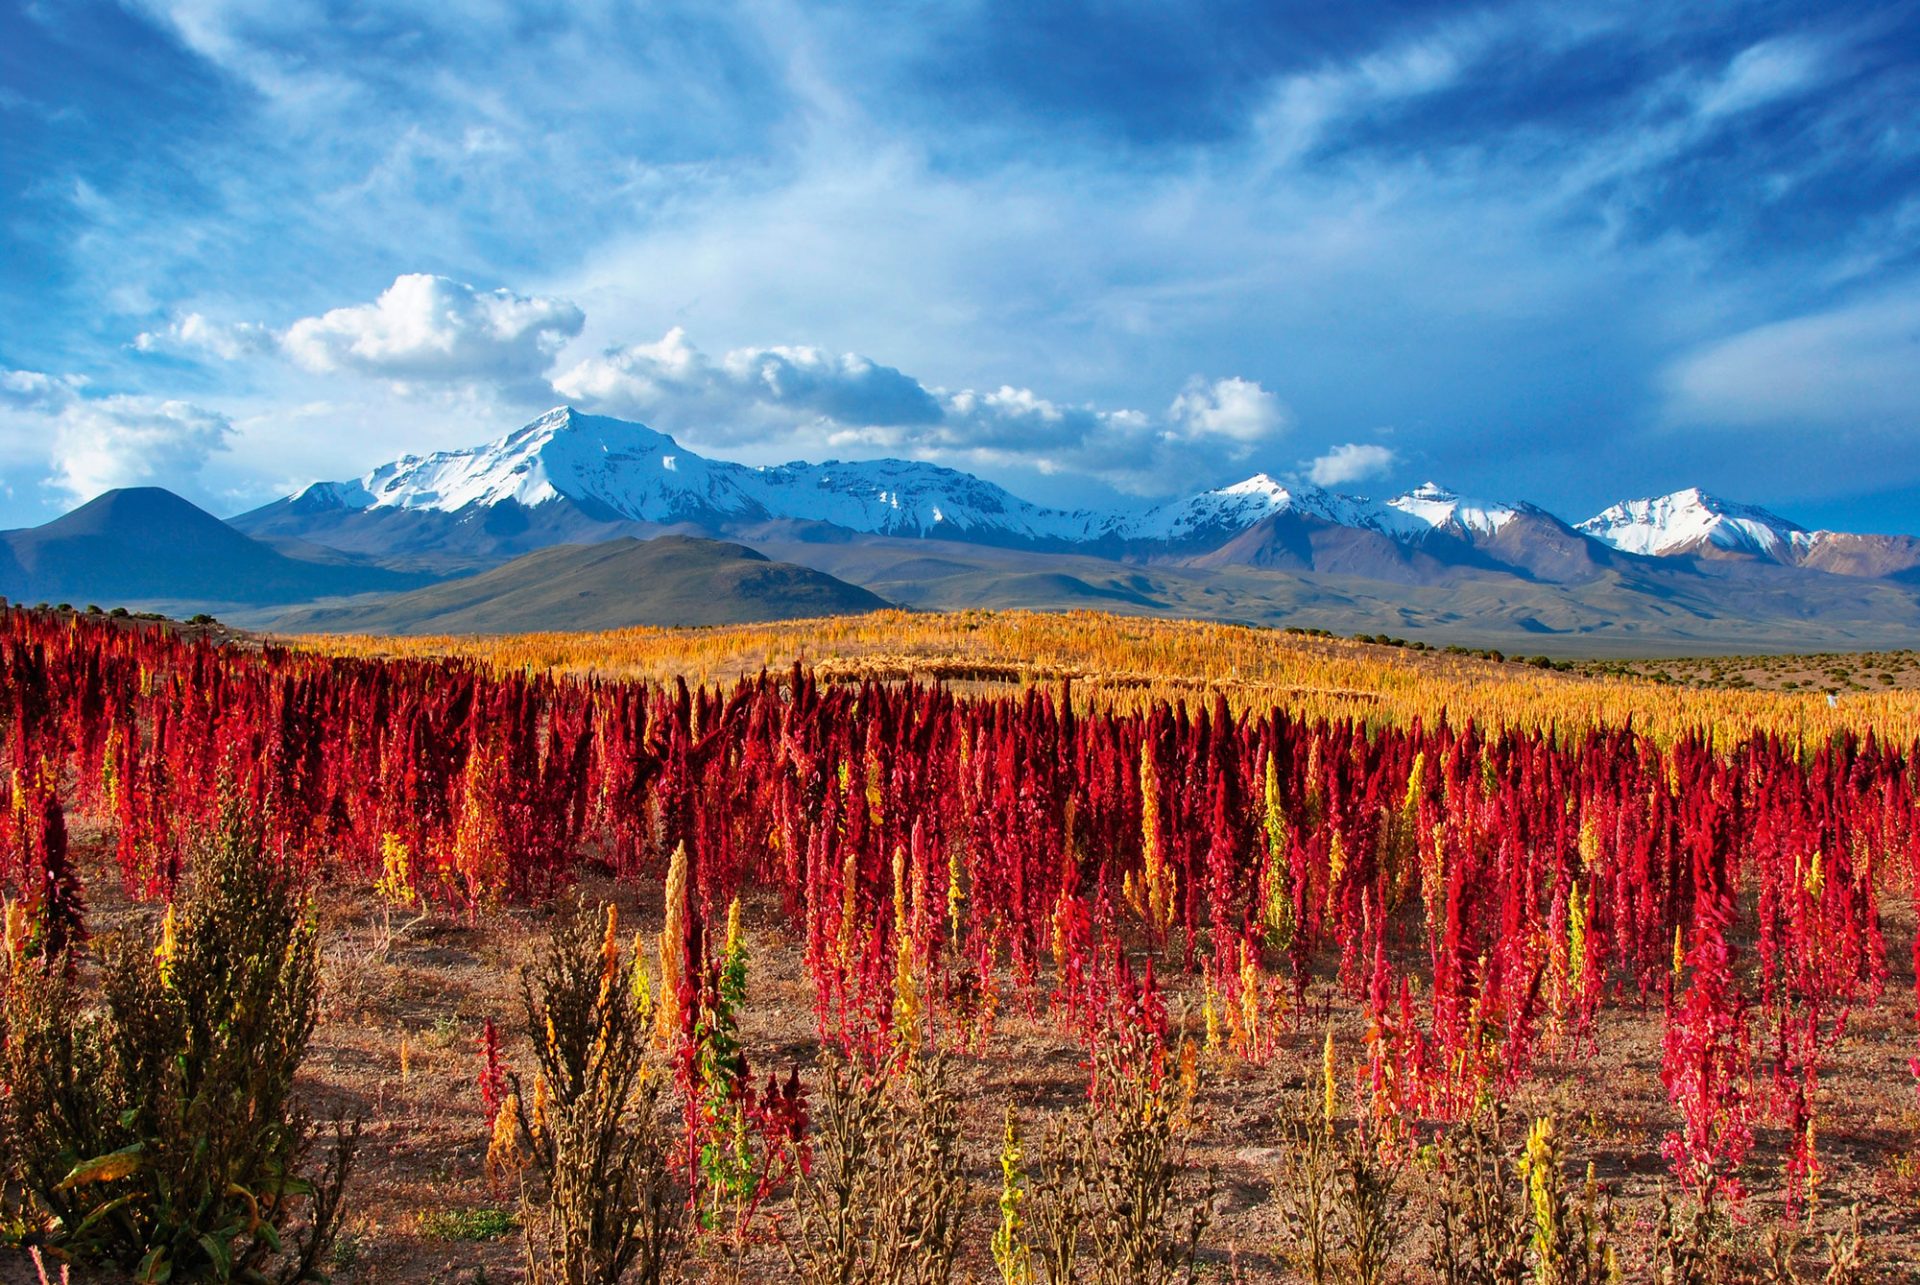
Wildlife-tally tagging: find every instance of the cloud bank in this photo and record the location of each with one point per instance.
(809, 396)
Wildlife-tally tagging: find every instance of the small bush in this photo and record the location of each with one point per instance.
(1483, 1229)
(593, 1131)
(1339, 1200)
(882, 1196)
(1113, 1193)
(152, 1119)
(1847, 1260)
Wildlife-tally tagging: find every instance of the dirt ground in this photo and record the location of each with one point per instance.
(427, 987)
(1835, 673)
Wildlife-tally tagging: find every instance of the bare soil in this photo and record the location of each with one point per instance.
(398, 1047)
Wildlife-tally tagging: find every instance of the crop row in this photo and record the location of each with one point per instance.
(1482, 893)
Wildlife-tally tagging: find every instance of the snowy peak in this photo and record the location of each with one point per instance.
(1435, 507)
(1226, 509)
(630, 471)
(562, 455)
(569, 474)
(615, 469)
(1691, 521)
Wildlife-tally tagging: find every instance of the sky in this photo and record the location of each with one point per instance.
(1565, 252)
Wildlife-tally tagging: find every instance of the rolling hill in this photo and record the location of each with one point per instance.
(669, 580)
(147, 547)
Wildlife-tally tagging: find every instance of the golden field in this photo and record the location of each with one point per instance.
(1124, 662)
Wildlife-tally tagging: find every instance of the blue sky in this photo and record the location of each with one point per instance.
(1570, 253)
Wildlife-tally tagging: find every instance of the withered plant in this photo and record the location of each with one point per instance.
(151, 1116)
(1113, 1197)
(603, 1203)
(1340, 1200)
(1370, 1211)
(1847, 1259)
(882, 1197)
(1481, 1222)
(1694, 1246)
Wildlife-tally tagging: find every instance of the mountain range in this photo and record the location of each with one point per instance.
(569, 476)
(1686, 571)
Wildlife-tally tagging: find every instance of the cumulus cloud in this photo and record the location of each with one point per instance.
(1234, 410)
(194, 333)
(125, 440)
(810, 399)
(425, 327)
(33, 390)
(643, 379)
(1352, 462)
(1019, 422)
(1847, 367)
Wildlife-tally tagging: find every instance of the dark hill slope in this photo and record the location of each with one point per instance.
(670, 580)
(144, 545)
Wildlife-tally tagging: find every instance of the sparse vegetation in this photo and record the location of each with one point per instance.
(1112, 1200)
(468, 1224)
(604, 1203)
(881, 1195)
(151, 1117)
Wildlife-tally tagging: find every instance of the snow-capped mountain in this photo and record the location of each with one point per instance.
(612, 470)
(1431, 507)
(1691, 521)
(626, 471)
(570, 477)
(1235, 508)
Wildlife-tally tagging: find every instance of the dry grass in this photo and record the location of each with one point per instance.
(1126, 662)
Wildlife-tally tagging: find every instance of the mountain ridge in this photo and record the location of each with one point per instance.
(568, 476)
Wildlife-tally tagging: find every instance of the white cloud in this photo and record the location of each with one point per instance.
(1235, 410)
(123, 440)
(34, 391)
(1018, 421)
(673, 377)
(1848, 367)
(804, 399)
(193, 332)
(434, 328)
(1762, 73)
(1352, 462)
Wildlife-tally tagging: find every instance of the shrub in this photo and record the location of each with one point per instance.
(594, 1132)
(1482, 1225)
(1572, 1234)
(1112, 1191)
(1339, 1199)
(881, 1198)
(152, 1120)
(1847, 1259)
